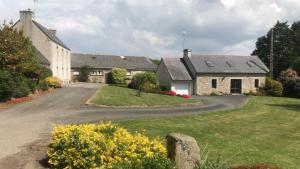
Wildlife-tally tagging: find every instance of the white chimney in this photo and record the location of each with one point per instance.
(187, 53)
(26, 22)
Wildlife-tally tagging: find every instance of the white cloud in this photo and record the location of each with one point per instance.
(153, 28)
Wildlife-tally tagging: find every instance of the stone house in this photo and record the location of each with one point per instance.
(52, 52)
(208, 74)
(101, 65)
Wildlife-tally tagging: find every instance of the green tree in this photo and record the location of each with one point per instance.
(118, 76)
(84, 74)
(296, 50)
(283, 47)
(17, 53)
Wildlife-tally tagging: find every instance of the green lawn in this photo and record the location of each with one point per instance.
(120, 96)
(266, 130)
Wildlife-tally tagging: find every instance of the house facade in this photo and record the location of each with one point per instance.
(101, 65)
(52, 52)
(212, 74)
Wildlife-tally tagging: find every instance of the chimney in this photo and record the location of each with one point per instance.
(187, 53)
(26, 22)
(53, 31)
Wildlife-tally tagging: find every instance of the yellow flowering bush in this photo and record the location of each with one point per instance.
(99, 146)
(53, 82)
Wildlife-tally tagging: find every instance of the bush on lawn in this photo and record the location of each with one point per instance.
(145, 82)
(170, 93)
(287, 75)
(6, 85)
(21, 88)
(99, 146)
(53, 82)
(118, 76)
(273, 87)
(153, 162)
(292, 88)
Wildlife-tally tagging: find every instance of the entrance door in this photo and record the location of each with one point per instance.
(236, 86)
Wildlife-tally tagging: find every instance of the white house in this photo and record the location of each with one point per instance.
(53, 51)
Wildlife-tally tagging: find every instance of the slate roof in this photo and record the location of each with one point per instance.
(228, 64)
(50, 34)
(176, 69)
(42, 58)
(111, 61)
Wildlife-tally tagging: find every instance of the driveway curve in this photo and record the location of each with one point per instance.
(23, 124)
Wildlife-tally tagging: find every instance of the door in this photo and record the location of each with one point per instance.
(236, 86)
(181, 87)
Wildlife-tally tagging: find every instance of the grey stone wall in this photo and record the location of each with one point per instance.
(204, 83)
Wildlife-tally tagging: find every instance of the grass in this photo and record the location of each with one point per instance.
(119, 96)
(266, 130)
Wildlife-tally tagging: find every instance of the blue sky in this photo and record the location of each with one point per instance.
(154, 27)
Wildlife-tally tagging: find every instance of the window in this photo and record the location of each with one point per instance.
(214, 83)
(97, 73)
(256, 83)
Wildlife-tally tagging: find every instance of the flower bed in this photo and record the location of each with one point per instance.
(173, 93)
(99, 146)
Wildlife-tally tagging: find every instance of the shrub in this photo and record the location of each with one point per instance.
(148, 78)
(99, 146)
(53, 82)
(287, 75)
(164, 88)
(292, 88)
(153, 162)
(185, 96)
(6, 85)
(42, 85)
(84, 74)
(21, 88)
(170, 93)
(273, 87)
(118, 76)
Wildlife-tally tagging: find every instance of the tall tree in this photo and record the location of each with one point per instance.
(17, 53)
(283, 45)
(296, 50)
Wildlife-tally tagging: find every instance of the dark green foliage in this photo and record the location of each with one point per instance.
(21, 87)
(118, 76)
(84, 73)
(273, 87)
(42, 85)
(154, 162)
(145, 82)
(286, 47)
(164, 88)
(6, 85)
(292, 88)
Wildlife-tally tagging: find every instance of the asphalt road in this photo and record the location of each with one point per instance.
(23, 124)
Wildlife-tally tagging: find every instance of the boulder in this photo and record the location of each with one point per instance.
(184, 150)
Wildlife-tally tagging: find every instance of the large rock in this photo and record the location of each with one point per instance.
(184, 150)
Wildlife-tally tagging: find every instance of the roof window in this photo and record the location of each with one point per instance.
(249, 64)
(229, 63)
(209, 64)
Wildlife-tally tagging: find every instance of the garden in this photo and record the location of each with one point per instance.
(21, 72)
(143, 90)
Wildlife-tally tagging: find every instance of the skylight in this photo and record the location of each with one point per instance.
(229, 63)
(249, 64)
(209, 64)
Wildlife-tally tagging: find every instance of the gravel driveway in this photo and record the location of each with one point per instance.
(25, 128)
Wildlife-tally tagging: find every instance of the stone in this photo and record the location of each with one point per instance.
(184, 150)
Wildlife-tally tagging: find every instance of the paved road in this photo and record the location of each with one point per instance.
(23, 124)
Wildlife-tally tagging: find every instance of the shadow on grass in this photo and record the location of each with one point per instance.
(293, 107)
